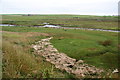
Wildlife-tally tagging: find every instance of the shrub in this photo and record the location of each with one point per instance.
(105, 43)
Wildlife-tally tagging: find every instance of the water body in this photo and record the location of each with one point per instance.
(54, 26)
(6, 25)
(91, 29)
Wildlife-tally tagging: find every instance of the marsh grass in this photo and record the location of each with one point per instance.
(101, 22)
(19, 60)
(78, 44)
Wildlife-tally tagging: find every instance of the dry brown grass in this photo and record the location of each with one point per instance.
(19, 60)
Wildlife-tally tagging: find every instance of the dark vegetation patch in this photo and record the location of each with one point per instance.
(105, 43)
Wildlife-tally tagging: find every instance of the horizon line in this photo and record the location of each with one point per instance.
(57, 14)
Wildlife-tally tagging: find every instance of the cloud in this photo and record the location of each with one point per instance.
(60, 6)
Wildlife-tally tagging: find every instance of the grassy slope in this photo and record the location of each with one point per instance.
(103, 22)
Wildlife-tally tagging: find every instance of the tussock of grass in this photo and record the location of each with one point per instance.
(19, 60)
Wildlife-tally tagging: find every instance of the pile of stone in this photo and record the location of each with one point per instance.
(63, 62)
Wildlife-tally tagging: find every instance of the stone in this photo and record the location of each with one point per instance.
(64, 62)
(115, 71)
(79, 62)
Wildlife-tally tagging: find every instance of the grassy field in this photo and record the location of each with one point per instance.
(84, 21)
(94, 47)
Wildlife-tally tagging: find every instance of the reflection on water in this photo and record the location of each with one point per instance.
(51, 26)
(6, 25)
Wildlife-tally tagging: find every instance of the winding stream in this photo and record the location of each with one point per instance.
(54, 26)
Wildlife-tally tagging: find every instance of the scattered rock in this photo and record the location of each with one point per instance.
(63, 62)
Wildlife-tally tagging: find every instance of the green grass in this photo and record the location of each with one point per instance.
(96, 48)
(0, 55)
(101, 22)
(79, 44)
(85, 45)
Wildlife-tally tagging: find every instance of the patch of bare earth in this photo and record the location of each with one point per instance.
(27, 34)
(63, 62)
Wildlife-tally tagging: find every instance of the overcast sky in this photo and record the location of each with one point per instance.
(82, 7)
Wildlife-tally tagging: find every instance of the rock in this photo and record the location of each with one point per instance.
(115, 71)
(36, 47)
(64, 62)
(45, 40)
(54, 50)
(79, 62)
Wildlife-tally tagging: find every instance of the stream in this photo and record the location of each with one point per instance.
(54, 26)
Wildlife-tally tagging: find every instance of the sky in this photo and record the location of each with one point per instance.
(81, 7)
